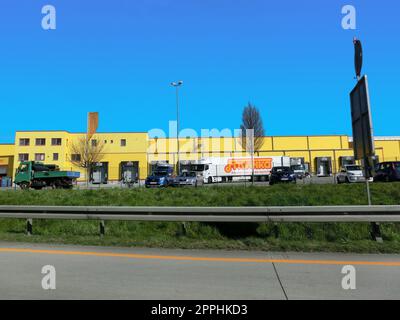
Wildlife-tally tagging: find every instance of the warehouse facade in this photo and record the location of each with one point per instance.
(323, 155)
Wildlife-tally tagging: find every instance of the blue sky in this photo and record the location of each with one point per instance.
(290, 58)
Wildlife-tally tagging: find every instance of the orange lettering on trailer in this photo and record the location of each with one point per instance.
(242, 164)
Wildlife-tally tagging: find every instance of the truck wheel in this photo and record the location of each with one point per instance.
(24, 185)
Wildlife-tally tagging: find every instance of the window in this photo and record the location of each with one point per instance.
(40, 142)
(75, 157)
(23, 157)
(24, 142)
(94, 143)
(39, 156)
(55, 156)
(123, 142)
(56, 141)
(23, 168)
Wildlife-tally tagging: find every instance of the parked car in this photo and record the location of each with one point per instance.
(350, 173)
(387, 171)
(186, 179)
(161, 177)
(282, 174)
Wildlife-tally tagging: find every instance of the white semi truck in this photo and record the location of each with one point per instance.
(223, 169)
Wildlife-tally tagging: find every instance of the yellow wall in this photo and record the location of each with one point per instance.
(7, 158)
(390, 149)
(47, 149)
(144, 150)
(289, 143)
(114, 153)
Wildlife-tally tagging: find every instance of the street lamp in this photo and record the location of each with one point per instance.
(177, 85)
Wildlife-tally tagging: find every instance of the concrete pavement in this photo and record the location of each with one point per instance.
(132, 273)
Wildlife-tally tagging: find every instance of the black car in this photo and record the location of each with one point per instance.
(282, 174)
(387, 171)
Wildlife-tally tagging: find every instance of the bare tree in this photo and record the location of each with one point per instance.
(251, 120)
(252, 132)
(85, 152)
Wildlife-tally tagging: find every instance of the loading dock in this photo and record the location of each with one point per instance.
(154, 164)
(323, 166)
(129, 171)
(346, 161)
(296, 161)
(99, 173)
(3, 171)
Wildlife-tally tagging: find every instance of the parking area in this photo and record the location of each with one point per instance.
(141, 184)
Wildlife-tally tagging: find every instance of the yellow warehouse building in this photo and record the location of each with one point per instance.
(136, 148)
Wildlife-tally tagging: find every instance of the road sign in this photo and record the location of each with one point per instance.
(358, 57)
(363, 139)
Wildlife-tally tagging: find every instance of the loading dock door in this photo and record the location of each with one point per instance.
(3, 170)
(129, 171)
(324, 166)
(346, 161)
(296, 161)
(99, 173)
(154, 164)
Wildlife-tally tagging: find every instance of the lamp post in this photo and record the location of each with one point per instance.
(177, 85)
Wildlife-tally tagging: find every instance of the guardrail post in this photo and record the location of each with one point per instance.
(182, 229)
(376, 232)
(102, 228)
(29, 227)
(276, 230)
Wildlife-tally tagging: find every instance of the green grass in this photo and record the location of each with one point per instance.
(340, 237)
(279, 195)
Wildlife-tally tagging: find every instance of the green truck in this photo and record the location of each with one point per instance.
(36, 175)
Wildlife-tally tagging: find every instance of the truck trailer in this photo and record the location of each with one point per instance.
(223, 169)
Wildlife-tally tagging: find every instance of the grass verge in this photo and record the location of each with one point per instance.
(338, 237)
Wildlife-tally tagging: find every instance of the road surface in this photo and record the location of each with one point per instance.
(132, 273)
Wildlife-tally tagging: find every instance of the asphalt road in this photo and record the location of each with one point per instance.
(124, 273)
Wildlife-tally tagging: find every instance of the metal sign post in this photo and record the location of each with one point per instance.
(363, 138)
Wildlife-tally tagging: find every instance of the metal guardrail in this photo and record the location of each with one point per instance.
(208, 214)
(205, 214)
